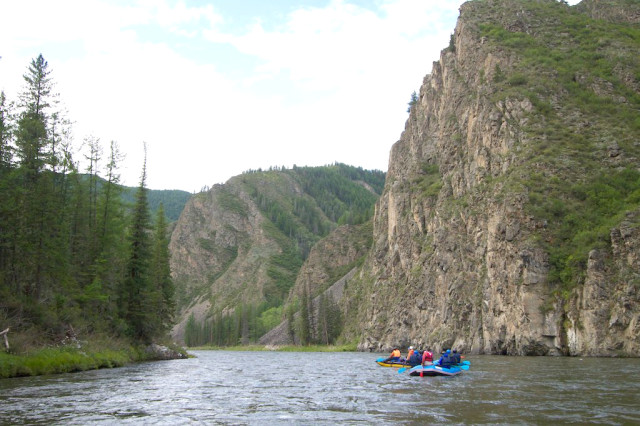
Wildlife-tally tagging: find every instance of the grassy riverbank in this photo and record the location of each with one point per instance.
(95, 355)
(72, 358)
(350, 347)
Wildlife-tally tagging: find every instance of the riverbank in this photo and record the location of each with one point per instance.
(89, 356)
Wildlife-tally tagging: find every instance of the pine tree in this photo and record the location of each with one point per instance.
(7, 188)
(31, 138)
(38, 246)
(413, 101)
(162, 287)
(136, 284)
(6, 135)
(304, 330)
(334, 320)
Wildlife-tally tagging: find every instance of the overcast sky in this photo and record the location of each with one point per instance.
(218, 87)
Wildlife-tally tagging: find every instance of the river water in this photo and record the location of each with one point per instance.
(238, 388)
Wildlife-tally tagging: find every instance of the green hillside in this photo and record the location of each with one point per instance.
(300, 206)
(173, 200)
(581, 173)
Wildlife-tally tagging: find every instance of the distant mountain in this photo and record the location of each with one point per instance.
(173, 201)
(239, 247)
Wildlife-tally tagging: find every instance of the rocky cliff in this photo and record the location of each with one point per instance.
(509, 222)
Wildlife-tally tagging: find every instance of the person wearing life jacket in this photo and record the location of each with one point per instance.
(415, 358)
(395, 355)
(409, 353)
(446, 359)
(427, 358)
(456, 357)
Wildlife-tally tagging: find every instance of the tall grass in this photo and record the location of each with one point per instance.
(61, 360)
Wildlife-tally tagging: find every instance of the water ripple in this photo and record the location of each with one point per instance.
(256, 388)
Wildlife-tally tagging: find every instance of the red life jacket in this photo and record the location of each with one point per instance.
(427, 356)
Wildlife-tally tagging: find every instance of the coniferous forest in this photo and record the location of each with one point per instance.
(76, 262)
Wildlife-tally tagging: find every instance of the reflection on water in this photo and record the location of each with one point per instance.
(324, 388)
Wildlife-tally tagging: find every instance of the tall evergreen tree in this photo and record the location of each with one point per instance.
(7, 189)
(6, 134)
(162, 288)
(108, 267)
(136, 283)
(31, 138)
(38, 228)
(304, 330)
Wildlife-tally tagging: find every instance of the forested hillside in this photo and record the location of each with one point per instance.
(237, 250)
(171, 200)
(75, 261)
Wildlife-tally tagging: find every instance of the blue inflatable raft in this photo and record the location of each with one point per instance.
(436, 370)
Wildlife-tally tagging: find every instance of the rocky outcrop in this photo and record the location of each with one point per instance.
(219, 253)
(458, 259)
(614, 11)
(157, 352)
(604, 317)
(331, 259)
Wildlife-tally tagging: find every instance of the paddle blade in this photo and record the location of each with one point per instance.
(401, 370)
(464, 366)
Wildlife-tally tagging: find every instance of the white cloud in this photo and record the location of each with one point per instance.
(331, 83)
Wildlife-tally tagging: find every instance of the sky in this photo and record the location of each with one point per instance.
(215, 88)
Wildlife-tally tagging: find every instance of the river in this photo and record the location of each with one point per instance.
(238, 388)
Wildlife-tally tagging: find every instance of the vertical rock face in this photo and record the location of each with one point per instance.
(604, 317)
(457, 259)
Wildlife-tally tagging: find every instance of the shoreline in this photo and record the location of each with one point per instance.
(76, 358)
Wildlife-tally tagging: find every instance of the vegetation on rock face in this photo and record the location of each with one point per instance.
(74, 263)
(580, 165)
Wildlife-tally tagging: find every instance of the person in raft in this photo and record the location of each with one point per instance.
(409, 353)
(456, 357)
(395, 355)
(446, 360)
(415, 358)
(427, 357)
